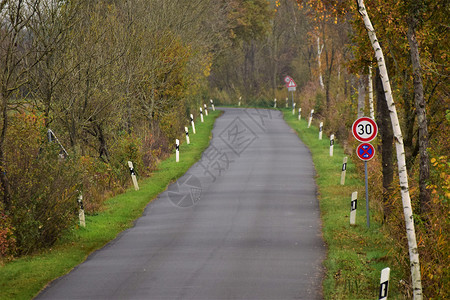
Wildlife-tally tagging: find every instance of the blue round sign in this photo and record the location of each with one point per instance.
(365, 151)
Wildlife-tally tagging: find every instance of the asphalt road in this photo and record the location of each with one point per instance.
(243, 223)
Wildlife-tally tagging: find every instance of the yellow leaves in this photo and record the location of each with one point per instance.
(207, 69)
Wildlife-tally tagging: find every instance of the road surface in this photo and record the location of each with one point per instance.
(243, 223)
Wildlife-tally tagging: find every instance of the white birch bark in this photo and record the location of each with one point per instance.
(319, 52)
(403, 176)
(371, 109)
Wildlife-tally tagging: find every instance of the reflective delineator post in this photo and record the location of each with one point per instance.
(187, 135)
(81, 210)
(331, 144)
(275, 103)
(293, 109)
(344, 170)
(206, 109)
(287, 102)
(384, 284)
(299, 113)
(212, 104)
(177, 150)
(201, 114)
(320, 130)
(353, 207)
(310, 118)
(133, 175)
(192, 123)
(240, 98)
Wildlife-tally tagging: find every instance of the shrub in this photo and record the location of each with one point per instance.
(7, 238)
(42, 185)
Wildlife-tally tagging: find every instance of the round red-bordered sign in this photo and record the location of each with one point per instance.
(365, 151)
(364, 129)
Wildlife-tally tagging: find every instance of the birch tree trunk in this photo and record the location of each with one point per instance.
(370, 84)
(319, 52)
(401, 161)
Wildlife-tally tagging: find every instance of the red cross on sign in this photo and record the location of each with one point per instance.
(365, 151)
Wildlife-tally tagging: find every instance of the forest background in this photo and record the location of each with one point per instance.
(116, 80)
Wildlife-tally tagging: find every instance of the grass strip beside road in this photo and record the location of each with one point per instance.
(356, 254)
(23, 278)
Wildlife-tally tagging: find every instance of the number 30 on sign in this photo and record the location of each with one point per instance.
(364, 129)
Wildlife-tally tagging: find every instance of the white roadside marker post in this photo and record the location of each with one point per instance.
(81, 211)
(133, 176)
(192, 123)
(384, 283)
(187, 135)
(293, 109)
(177, 150)
(240, 98)
(201, 114)
(299, 113)
(212, 104)
(287, 104)
(206, 109)
(353, 207)
(310, 118)
(275, 103)
(331, 144)
(320, 130)
(344, 170)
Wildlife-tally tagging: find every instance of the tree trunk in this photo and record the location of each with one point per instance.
(361, 96)
(328, 74)
(319, 52)
(3, 175)
(402, 172)
(387, 138)
(409, 118)
(370, 85)
(424, 171)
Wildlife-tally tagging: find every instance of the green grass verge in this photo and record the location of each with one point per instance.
(356, 254)
(23, 278)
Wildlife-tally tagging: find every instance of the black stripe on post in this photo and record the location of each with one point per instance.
(354, 205)
(344, 167)
(132, 172)
(80, 203)
(383, 289)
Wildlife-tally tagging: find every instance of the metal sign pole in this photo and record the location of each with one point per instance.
(367, 195)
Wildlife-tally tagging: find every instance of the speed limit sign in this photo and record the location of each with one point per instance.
(364, 129)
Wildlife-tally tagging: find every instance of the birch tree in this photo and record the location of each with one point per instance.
(319, 52)
(401, 160)
(370, 87)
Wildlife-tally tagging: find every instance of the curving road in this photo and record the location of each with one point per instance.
(243, 223)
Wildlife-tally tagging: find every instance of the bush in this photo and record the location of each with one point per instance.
(42, 185)
(7, 238)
